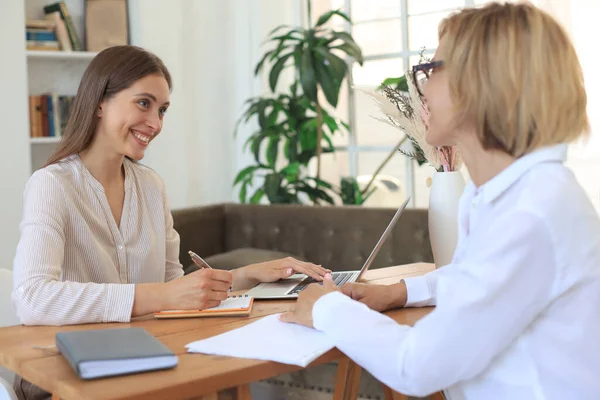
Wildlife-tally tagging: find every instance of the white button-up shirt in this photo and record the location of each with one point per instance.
(517, 311)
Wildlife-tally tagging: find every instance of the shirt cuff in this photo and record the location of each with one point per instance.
(119, 302)
(324, 309)
(417, 292)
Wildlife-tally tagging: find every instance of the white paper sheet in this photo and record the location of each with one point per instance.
(267, 339)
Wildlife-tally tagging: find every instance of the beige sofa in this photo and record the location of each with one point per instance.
(339, 238)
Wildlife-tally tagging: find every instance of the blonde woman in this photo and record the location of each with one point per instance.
(518, 310)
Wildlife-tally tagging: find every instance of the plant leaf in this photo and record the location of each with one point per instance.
(308, 135)
(349, 50)
(276, 70)
(262, 119)
(255, 147)
(243, 191)
(291, 171)
(325, 17)
(277, 28)
(257, 196)
(272, 150)
(274, 190)
(262, 61)
(349, 40)
(320, 182)
(399, 83)
(308, 78)
(244, 173)
(291, 149)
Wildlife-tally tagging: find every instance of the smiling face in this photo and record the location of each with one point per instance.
(132, 118)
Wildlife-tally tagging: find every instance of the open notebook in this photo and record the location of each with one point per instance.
(234, 306)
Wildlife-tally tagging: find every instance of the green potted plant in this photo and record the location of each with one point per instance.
(294, 125)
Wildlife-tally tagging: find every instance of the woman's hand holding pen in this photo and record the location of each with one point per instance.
(201, 289)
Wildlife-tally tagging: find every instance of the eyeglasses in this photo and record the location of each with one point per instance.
(422, 72)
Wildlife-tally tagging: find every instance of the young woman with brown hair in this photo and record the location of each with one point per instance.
(97, 239)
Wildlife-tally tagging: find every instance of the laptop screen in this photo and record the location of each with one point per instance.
(383, 238)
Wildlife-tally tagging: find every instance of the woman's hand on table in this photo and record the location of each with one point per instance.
(303, 310)
(377, 297)
(271, 271)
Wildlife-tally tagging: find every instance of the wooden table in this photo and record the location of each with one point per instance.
(196, 374)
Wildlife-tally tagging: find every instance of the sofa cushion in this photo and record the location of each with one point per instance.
(240, 258)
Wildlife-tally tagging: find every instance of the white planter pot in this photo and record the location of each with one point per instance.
(446, 189)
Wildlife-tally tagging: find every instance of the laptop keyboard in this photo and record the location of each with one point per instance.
(339, 278)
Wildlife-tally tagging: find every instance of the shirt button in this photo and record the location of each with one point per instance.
(120, 247)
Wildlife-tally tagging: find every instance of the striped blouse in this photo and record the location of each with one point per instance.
(74, 265)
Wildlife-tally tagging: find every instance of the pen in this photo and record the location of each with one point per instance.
(198, 260)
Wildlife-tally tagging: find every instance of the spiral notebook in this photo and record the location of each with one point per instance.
(234, 306)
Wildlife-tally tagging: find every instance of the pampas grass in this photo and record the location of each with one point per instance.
(408, 113)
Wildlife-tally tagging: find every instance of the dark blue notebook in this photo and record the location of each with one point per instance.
(110, 352)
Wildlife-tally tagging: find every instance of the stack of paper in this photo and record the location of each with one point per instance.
(267, 339)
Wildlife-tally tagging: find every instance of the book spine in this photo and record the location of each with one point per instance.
(42, 45)
(45, 127)
(56, 115)
(41, 36)
(31, 115)
(66, 17)
(37, 116)
(61, 31)
(64, 350)
(51, 132)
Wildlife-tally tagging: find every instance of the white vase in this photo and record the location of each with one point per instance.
(446, 189)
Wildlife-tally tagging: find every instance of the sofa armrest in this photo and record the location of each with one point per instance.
(202, 230)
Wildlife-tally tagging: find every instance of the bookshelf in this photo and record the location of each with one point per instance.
(60, 55)
(53, 72)
(44, 140)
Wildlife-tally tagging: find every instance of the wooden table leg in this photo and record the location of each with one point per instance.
(243, 392)
(347, 381)
(392, 395)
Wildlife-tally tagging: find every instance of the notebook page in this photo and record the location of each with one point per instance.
(233, 302)
(267, 339)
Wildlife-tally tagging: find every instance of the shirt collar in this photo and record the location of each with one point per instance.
(492, 189)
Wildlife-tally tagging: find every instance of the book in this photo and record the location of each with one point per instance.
(66, 17)
(61, 30)
(43, 45)
(233, 306)
(109, 352)
(40, 24)
(268, 339)
(41, 35)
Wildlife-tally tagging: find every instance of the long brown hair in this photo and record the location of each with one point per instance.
(112, 70)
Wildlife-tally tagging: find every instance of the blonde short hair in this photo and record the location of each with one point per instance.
(514, 72)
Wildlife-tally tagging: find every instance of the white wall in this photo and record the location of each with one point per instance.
(14, 134)
(210, 48)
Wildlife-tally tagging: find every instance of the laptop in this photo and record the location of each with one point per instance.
(292, 286)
